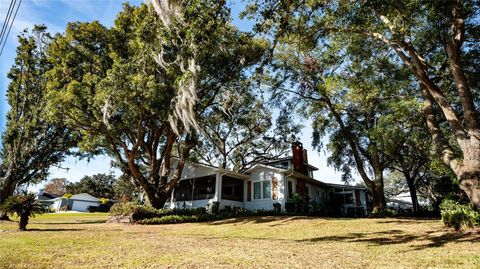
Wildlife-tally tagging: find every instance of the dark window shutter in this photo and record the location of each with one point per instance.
(249, 191)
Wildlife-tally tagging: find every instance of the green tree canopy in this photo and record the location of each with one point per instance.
(436, 43)
(99, 185)
(31, 143)
(111, 85)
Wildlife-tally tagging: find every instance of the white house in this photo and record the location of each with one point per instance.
(265, 186)
(78, 202)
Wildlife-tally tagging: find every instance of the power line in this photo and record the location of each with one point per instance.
(11, 23)
(7, 19)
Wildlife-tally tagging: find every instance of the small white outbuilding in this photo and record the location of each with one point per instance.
(78, 202)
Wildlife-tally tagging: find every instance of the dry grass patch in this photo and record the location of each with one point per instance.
(73, 241)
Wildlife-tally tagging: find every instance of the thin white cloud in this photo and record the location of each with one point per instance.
(89, 9)
(30, 14)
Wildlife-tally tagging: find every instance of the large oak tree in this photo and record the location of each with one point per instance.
(436, 41)
(31, 144)
(138, 91)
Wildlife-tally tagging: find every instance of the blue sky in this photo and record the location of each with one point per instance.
(55, 14)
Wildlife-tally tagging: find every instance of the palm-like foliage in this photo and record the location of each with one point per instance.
(25, 206)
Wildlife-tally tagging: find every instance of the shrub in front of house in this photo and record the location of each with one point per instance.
(316, 209)
(100, 208)
(172, 219)
(187, 211)
(168, 220)
(263, 212)
(232, 212)
(122, 209)
(213, 208)
(134, 211)
(459, 216)
(140, 212)
(143, 214)
(299, 204)
(385, 213)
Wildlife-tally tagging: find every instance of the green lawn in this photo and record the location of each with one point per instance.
(85, 241)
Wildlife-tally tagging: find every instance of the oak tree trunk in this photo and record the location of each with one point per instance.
(413, 194)
(466, 131)
(466, 167)
(470, 184)
(158, 195)
(158, 200)
(378, 197)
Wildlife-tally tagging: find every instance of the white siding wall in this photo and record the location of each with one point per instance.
(56, 205)
(266, 204)
(189, 204)
(192, 170)
(224, 203)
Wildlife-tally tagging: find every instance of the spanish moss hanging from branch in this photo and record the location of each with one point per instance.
(170, 14)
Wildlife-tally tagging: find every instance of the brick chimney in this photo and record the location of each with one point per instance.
(299, 165)
(299, 155)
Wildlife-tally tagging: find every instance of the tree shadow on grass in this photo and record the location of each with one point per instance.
(73, 222)
(262, 219)
(403, 221)
(245, 220)
(54, 230)
(440, 240)
(391, 237)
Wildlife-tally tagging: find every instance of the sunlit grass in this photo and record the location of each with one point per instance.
(72, 241)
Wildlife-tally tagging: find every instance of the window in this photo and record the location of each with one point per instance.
(262, 189)
(256, 190)
(267, 189)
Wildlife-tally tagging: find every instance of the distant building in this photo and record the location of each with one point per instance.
(78, 202)
(45, 198)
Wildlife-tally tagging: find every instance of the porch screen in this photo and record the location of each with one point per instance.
(232, 188)
(183, 191)
(199, 188)
(204, 188)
